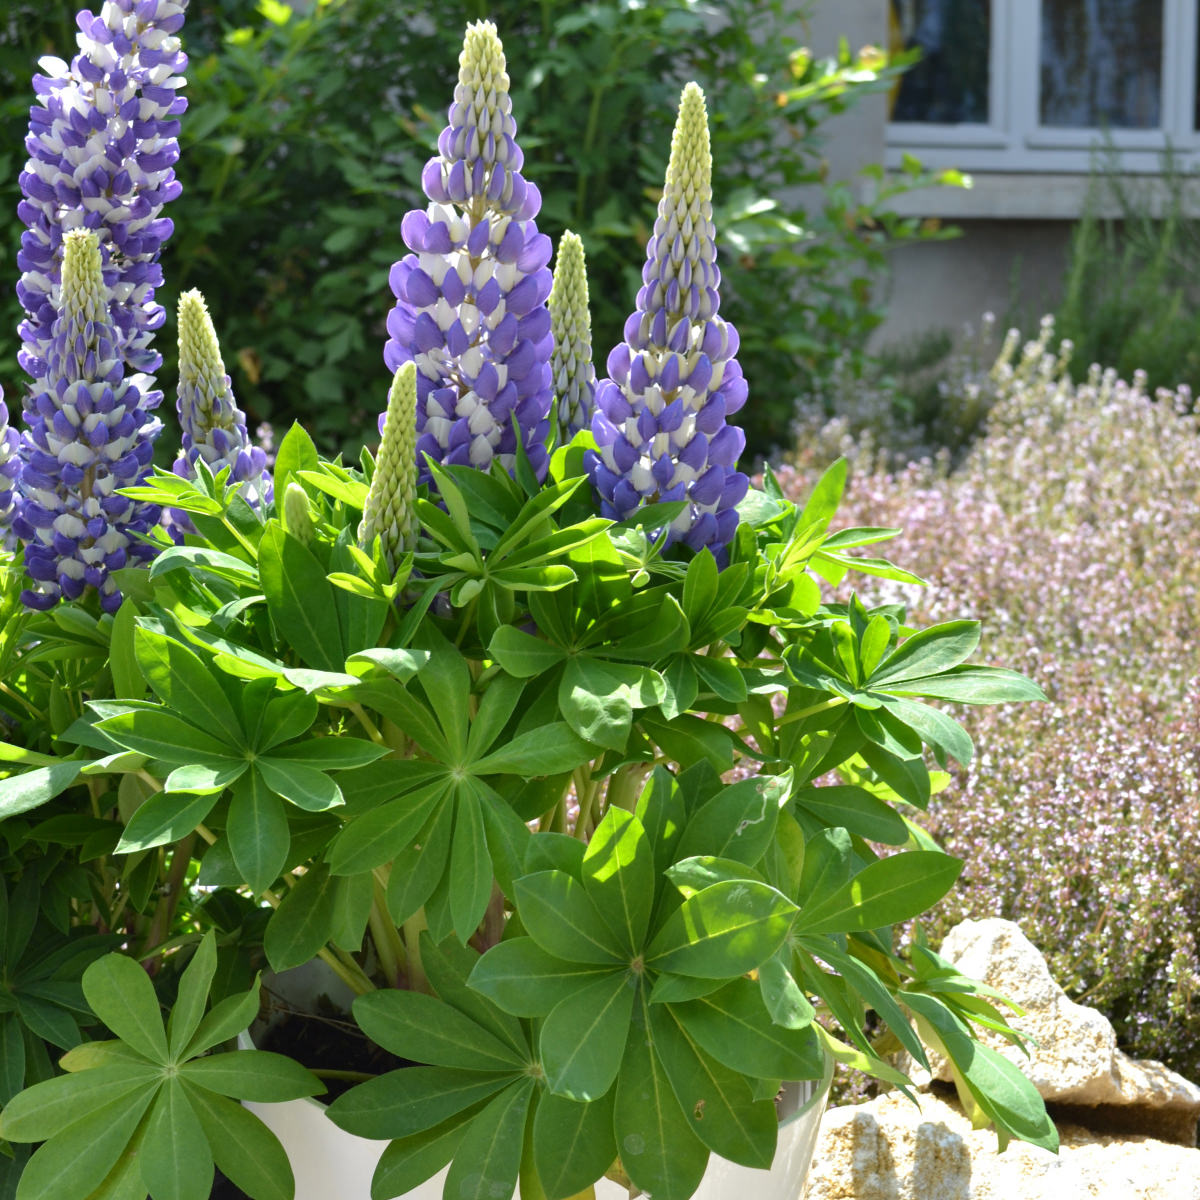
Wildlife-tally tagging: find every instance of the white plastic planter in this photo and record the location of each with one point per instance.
(329, 1163)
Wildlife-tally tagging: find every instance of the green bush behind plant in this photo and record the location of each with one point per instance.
(1130, 298)
(306, 132)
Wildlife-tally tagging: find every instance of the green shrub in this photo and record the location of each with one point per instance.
(1130, 293)
(305, 132)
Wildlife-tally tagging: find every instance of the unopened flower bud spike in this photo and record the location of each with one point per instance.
(571, 327)
(389, 512)
(214, 428)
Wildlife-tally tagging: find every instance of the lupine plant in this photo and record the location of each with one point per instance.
(526, 735)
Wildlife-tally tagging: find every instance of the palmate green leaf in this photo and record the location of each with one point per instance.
(71, 1164)
(583, 1038)
(302, 786)
(618, 875)
(422, 1028)
(46, 1109)
(886, 892)
(449, 966)
(176, 1163)
(935, 728)
(718, 1102)
(203, 778)
(551, 750)
(659, 1151)
(120, 993)
(523, 979)
(380, 835)
(165, 817)
(733, 1026)
(187, 685)
(907, 777)
(166, 737)
(929, 652)
(409, 1161)
(782, 996)
(739, 822)
(411, 1100)
(688, 740)
(1007, 1097)
(284, 717)
(258, 832)
(723, 931)
(296, 453)
(573, 1144)
(419, 867)
(224, 1021)
(244, 1149)
(20, 793)
(300, 599)
(562, 918)
(856, 810)
(868, 985)
(304, 920)
(330, 753)
(470, 865)
(969, 685)
(508, 836)
(446, 682)
(194, 984)
(523, 655)
(255, 1075)
(489, 1154)
(411, 715)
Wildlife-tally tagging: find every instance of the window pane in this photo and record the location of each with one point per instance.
(950, 83)
(1102, 63)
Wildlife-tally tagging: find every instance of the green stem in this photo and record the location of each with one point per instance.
(586, 789)
(164, 911)
(412, 940)
(388, 945)
(365, 721)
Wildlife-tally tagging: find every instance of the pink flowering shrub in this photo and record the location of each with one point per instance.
(1072, 531)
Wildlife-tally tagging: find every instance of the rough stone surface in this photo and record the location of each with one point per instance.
(1075, 1064)
(888, 1150)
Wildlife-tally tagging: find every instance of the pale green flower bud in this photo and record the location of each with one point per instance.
(571, 326)
(214, 428)
(388, 513)
(297, 516)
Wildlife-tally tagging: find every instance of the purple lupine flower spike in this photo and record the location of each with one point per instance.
(660, 420)
(214, 428)
(102, 140)
(89, 431)
(10, 472)
(471, 297)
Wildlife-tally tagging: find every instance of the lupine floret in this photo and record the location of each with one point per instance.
(390, 510)
(471, 297)
(571, 328)
(660, 421)
(214, 428)
(103, 138)
(10, 471)
(89, 430)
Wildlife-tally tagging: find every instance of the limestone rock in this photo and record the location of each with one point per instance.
(888, 1150)
(1075, 1064)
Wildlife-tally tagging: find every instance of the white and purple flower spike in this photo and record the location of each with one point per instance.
(471, 297)
(571, 327)
(660, 420)
(214, 428)
(102, 143)
(88, 431)
(10, 472)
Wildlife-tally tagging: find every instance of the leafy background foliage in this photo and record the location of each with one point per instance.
(305, 135)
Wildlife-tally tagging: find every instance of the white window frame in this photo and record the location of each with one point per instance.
(1014, 140)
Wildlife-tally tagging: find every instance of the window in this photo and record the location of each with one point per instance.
(1029, 85)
